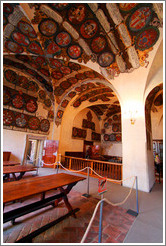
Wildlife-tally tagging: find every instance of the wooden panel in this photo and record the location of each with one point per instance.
(6, 155)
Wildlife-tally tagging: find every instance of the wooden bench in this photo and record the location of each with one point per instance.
(7, 170)
(11, 163)
(13, 191)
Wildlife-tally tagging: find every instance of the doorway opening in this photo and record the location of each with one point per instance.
(87, 144)
(33, 150)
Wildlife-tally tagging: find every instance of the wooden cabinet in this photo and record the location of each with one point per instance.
(6, 155)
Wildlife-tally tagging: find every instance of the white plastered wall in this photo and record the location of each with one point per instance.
(73, 118)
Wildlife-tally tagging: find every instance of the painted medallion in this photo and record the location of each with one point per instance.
(112, 137)
(106, 59)
(27, 29)
(34, 123)
(42, 94)
(77, 103)
(74, 132)
(59, 114)
(140, 19)
(35, 48)
(93, 99)
(48, 27)
(45, 72)
(106, 124)
(127, 7)
(74, 51)
(118, 137)
(63, 39)
(76, 14)
(64, 103)
(115, 117)
(65, 85)
(40, 60)
(23, 58)
(11, 76)
(8, 117)
(79, 89)
(5, 20)
(34, 65)
(65, 70)
(98, 44)
(23, 82)
(89, 74)
(88, 29)
(74, 66)
(57, 75)
(32, 86)
(20, 38)
(59, 6)
(110, 121)
(54, 63)
(44, 125)
(51, 114)
(21, 120)
(18, 101)
(13, 47)
(6, 97)
(106, 137)
(83, 98)
(147, 38)
(58, 91)
(31, 106)
(52, 48)
(116, 127)
(7, 8)
(80, 76)
(72, 94)
(72, 80)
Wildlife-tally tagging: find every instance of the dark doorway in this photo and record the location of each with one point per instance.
(87, 144)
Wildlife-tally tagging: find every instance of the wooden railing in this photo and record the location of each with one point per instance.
(111, 170)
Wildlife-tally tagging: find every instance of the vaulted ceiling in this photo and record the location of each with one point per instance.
(52, 44)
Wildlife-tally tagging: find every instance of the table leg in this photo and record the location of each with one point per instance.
(66, 201)
(20, 176)
(14, 176)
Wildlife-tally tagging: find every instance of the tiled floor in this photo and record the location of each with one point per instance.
(118, 225)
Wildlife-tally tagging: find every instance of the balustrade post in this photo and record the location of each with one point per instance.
(91, 167)
(70, 163)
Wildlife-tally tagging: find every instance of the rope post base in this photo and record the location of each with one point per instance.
(86, 195)
(132, 212)
(129, 211)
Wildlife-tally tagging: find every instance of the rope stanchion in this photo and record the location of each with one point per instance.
(95, 211)
(137, 194)
(100, 220)
(87, 194)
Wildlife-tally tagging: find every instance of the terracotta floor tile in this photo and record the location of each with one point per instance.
(116, 222)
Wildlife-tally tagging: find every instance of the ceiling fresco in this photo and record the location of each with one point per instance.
(46, 54)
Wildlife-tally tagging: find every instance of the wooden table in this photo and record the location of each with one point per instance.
(39, 185)
(7, 170)
(11, 163)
